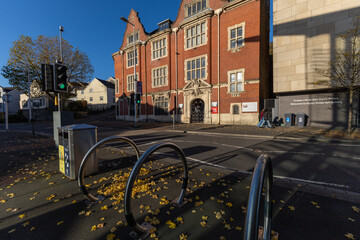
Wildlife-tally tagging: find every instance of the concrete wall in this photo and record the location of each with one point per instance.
(323, 109)
(306, 33)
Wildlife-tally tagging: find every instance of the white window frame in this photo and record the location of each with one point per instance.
(131, 52)
(157, 74)
(159, 48)
(117, 86)
(130, 36)
(91, 90)
(198, 35)
(230, 82)
(194, 5)
(130, 82)
(194, 71)
(230, 39)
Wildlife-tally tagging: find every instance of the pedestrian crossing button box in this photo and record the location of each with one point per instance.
(74, 142)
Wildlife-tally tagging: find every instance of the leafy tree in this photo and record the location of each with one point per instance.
(27, 55)
(343, 71)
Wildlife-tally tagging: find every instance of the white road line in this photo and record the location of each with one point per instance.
(271, 138)
(270, 151)
(297, 180)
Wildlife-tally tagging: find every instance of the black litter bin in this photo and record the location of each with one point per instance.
(301, 119)
(289, 119)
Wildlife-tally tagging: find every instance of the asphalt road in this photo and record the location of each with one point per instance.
(308, 175)
(332, 165)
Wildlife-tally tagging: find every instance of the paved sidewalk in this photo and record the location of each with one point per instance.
(37, 202)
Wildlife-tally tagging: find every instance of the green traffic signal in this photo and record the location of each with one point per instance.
(60, 77)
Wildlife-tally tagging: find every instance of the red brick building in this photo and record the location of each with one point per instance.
(211, 62)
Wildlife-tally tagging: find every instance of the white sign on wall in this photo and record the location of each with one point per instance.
(249, 107)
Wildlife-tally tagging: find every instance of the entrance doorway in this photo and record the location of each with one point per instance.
(197, 111)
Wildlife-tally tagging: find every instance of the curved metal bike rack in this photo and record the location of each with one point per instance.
(141, 231)
(88, 154)
(262, 178)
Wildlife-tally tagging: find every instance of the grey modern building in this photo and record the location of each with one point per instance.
(306, 36)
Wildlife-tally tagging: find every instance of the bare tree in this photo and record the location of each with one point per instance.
(27, 55)
(343, 71)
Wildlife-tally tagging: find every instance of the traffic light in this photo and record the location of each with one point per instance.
(60, 78)
(138, 98)
(47, 78)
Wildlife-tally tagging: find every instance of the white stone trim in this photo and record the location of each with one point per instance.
(152, 76)
(242, 70)
(229, 37)
(152, 49)
(194, 58)
(190, 26)
(127, 79)
(117, 89)
(126, 57)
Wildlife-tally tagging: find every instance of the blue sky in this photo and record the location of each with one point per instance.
(93, 26)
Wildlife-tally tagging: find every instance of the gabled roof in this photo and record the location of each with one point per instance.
(78, 85)
(8, 89)
(106, 83)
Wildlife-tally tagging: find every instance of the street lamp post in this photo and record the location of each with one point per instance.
(135, 80)
(6, 105)
(29, 86)
(29, 100)
(29, 92)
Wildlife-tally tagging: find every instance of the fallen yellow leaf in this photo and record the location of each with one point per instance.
(171, 224)
(59, 223)
(292, 208)
(110, 236)
(350, 236)
(180, 219)
(356, 209)
(183, 237)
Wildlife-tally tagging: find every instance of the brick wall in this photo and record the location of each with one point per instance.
(248, 58)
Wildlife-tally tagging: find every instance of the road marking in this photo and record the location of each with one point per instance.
(270, 151)
(296, 180)
(272, 138)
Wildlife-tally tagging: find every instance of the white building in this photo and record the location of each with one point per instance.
(13, 96)
(99, 94)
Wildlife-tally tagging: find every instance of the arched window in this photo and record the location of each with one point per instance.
(236, 109)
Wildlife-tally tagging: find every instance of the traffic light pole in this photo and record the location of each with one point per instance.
(61, 29)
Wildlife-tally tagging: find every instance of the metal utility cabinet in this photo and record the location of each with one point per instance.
(74, 142)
